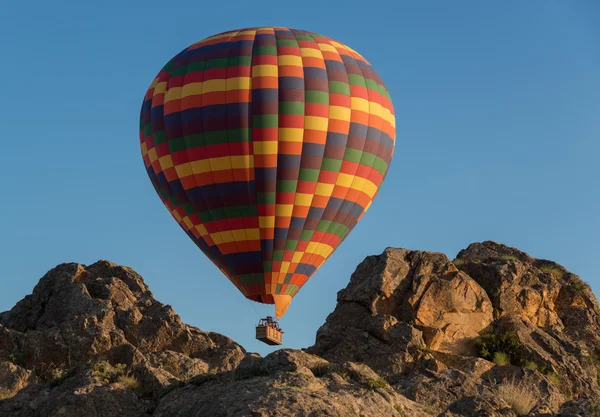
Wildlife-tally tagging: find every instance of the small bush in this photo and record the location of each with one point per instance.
(12, 358)
(531, 365)
(507, 343)
(577, 288)
(147, 391)
(520, 399)
(60, 376)
(377, 383)
(552, 270)
(501, 358)
(553, 377)
(458, 262)
(509, 258)
(51, 374)
(108, 372)
(129, 381)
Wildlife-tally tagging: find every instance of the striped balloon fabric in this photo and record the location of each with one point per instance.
(267, 145)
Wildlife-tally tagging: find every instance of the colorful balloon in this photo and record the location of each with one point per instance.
(267, 145)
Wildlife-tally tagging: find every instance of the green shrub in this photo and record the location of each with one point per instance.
(12, 358)
(553, 377)
(552, 270)
(377, 383)
(531, 365)
(501, 358)
(509, 258)
(507, 343)
(458, 262)
(109, 373)
(577, 288)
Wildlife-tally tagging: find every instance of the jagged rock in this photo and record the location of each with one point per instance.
(178, 364)
(583, 407)
(78, 316)
(105, 311)
(413, 334)
(467, 364)
(553, 312)
(13, 378)
(552, 352)
(452, 304)
(80, 395)
(540, 290)
(488, 288)
(289, 383)
(478, 406)
(398, 300)
(352, 334)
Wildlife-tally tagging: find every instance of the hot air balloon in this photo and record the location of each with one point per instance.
(267, 145)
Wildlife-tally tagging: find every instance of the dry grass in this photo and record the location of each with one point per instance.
(519, 398)
(552, 270)
(51, 374)
(129, 382)
(5, 395)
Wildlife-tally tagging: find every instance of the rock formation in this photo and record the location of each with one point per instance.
(455, 334)
(493, 332)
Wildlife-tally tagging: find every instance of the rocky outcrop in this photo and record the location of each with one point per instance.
(458, 335)
(78, 317)
(399, 302)
(77, 314)
(289, 383)
(494, 332)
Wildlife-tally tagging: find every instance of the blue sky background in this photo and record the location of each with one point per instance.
(497, 107)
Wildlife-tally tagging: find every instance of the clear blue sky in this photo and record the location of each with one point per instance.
(497, 107)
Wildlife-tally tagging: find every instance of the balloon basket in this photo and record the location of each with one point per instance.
(268, 331)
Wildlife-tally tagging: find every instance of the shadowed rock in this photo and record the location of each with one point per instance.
(495, 332)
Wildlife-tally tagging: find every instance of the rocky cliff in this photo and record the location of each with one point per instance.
(493, 332)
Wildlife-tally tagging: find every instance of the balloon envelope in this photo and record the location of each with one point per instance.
(267, 145)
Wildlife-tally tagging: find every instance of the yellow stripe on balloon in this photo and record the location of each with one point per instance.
(289, 60)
